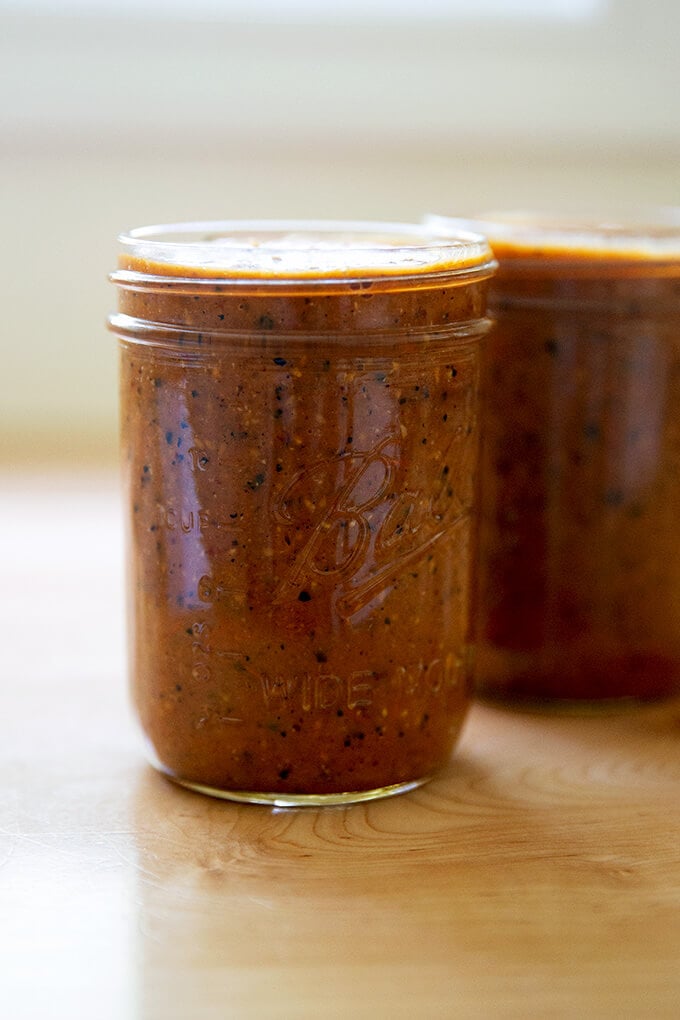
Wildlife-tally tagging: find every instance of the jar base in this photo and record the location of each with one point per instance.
(300, 800)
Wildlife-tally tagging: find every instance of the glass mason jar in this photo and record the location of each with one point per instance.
(580, 560)
(299, 446)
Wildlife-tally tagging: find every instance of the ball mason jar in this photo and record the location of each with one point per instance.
(580, 559)
(300, 456)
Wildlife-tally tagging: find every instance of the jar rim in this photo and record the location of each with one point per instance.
(300, 250)
(643, 234)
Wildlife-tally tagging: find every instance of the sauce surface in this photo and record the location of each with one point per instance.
(301, 468)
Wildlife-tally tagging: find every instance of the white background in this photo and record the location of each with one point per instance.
(118, 114)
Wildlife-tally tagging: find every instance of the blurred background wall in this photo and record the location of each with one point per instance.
(119, 114)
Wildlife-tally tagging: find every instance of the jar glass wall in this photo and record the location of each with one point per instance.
(580, 563)
(299, 409)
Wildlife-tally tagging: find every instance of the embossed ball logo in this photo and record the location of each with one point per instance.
(366, 518)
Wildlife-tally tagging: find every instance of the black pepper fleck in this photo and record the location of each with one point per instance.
(255, 482)
(614, 497)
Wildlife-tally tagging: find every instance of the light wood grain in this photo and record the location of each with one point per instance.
(539, 876)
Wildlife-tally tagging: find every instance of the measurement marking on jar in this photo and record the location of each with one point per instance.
(196, 521)
(217, 589)
(202, 652)
(221, 718)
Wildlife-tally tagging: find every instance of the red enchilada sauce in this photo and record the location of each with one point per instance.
(299, 452)
(580, 552)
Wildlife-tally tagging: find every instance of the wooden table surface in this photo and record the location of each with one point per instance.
(539, 876)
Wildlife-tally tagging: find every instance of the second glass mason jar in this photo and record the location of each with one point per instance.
(580, 560)
(300, 442)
